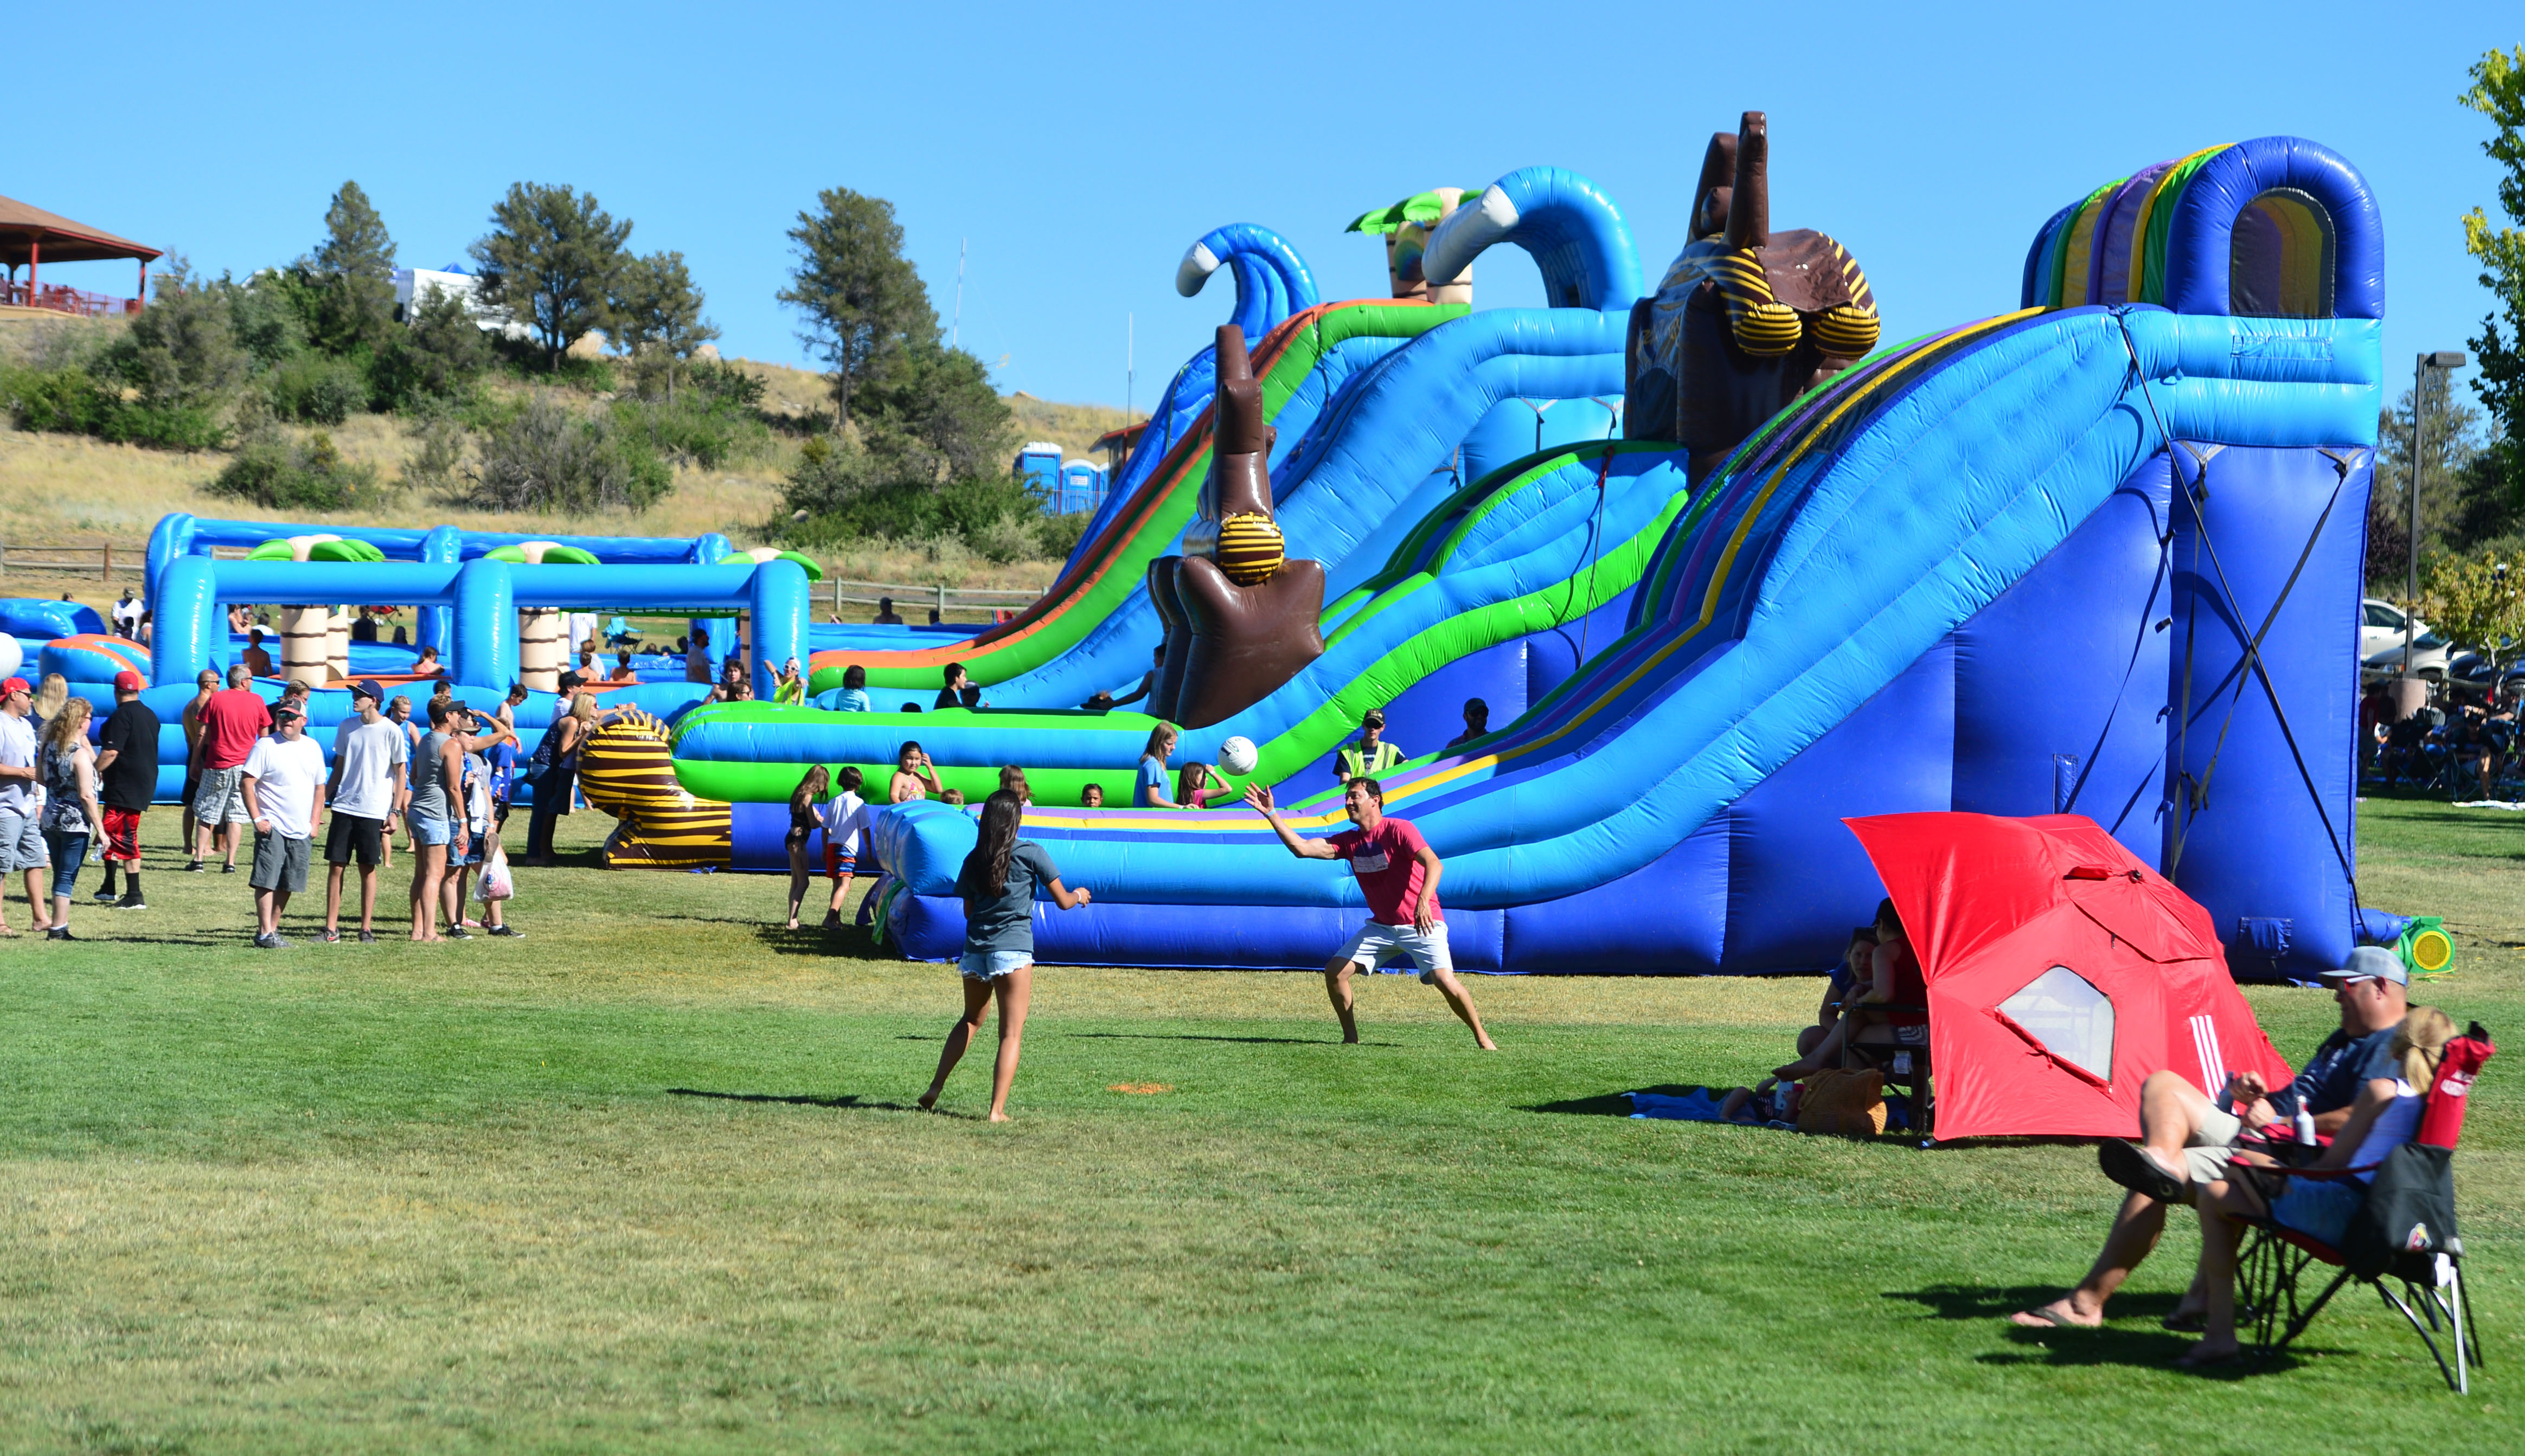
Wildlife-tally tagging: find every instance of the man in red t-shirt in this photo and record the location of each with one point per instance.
(1398, 876)
(231, 722)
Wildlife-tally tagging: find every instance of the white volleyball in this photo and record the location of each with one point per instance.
(1238, 756)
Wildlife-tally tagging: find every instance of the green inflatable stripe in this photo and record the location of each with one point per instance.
(1312, 737)
(1072, 619)
(2160, 223)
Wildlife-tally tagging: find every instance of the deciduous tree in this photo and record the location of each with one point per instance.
(2497, 93)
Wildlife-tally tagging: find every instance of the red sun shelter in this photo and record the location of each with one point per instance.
(2060, 971)
(31, 237)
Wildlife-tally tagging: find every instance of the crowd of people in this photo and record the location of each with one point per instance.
(440, 776)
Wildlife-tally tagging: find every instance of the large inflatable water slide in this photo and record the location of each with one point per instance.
(2098, 554)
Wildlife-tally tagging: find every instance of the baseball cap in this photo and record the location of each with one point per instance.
(126, 681)
(367, 688)
(282, 713)
(15, 685)
(2370, 963)
(1375, 715)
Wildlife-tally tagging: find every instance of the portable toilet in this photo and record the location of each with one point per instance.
(1082, 486)
(1038, 466)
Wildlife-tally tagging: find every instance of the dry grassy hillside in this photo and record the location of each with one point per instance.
(73, 490)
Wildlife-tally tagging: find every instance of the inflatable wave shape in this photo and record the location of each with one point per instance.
(1273, 282)
(1572, 230)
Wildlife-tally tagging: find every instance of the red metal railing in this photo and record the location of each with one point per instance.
(66, 299)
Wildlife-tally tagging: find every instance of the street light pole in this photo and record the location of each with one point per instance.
(2444, 359)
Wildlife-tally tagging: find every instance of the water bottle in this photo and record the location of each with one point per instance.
(2304, 1127)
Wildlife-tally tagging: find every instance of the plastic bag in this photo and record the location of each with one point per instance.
(495, 883)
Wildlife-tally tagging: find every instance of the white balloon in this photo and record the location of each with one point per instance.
(1237, 755)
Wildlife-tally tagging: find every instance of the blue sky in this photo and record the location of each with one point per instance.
(1078, 153)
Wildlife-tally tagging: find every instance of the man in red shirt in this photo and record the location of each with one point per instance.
(231, 722)
(1398, 876)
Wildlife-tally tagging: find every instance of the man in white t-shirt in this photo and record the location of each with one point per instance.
(126, 616)
(284, 780)
(370, 753)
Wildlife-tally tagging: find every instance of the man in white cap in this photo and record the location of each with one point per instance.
(2186, 1139)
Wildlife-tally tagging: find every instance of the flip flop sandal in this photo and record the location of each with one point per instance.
(2187, 1321)
(2128, 1164)
(2044, 1317)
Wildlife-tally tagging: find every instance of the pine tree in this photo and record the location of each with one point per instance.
(355, 243)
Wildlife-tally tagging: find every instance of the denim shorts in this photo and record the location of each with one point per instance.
(991, 965)
(429, 831)
(2320, 1207)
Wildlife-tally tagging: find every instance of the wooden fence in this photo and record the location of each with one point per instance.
(99, 561)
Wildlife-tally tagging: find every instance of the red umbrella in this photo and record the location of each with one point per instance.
(2061, 972)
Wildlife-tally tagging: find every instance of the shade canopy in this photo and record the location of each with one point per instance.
(2060, 973)
(31, 233)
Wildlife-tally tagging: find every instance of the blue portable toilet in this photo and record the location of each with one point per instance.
(1082, 486)
(1038, 466)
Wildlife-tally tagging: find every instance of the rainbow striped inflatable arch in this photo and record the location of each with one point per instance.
(2277, 227)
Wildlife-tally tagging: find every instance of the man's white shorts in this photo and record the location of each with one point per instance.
(1378, 941)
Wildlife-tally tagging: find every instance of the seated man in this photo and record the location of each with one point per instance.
(2181, 1128)
(2385, 1116)
(257, 660)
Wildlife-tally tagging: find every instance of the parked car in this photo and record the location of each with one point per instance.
(2429, 655)
(2380, 626)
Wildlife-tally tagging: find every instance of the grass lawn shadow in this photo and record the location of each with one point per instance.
(1210, 1037)
(1606, 1104)
(849, 1101)
(2131, 1335)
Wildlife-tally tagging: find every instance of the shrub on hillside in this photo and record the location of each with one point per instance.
(551, 458)
(703, 428)
(848, 494)
(72, 401)
(1057, 536)
(316, 388)
(436, 357)
(278, 473)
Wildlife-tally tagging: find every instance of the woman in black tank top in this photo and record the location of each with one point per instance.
(811, 791)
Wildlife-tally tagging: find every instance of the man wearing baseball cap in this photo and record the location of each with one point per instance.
(2186, 1139)
(126, 773)
(369, 756)
(282, 782)
(1372, 756)
(22, 844)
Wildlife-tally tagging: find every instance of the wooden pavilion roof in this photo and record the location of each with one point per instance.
(24, 227)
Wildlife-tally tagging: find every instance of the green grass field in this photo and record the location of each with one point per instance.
(649, 1181)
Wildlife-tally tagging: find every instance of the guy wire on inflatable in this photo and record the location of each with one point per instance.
(1729, 571)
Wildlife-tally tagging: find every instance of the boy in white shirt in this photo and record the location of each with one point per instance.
(283, 781)
(846, 818)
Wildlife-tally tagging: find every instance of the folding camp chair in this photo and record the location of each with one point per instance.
(2427, 1262)
(1905, 1070)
